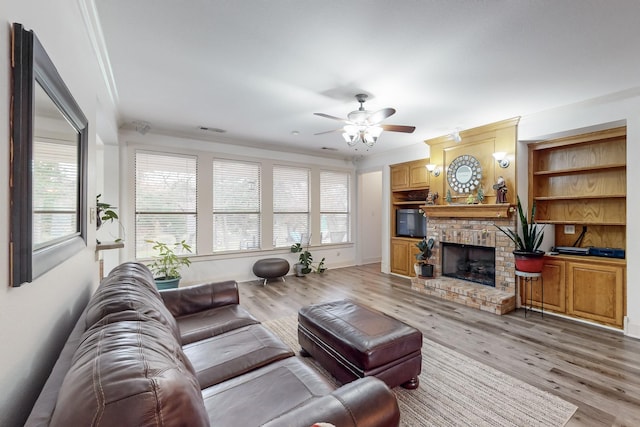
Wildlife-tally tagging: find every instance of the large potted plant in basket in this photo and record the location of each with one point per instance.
(422, 266)
(528, 256)
(166, 264)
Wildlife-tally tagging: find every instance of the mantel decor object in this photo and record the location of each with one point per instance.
(464, 174)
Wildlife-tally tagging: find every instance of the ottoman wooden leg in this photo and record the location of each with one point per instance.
(412, 384)
(304, 353)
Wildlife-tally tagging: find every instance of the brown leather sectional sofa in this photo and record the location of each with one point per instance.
(191, 357)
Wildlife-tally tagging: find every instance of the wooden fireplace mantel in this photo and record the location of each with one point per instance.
(500, 210)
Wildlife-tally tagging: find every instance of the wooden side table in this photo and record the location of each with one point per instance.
(529, 278)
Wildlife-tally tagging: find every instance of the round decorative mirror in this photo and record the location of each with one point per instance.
(464, 174)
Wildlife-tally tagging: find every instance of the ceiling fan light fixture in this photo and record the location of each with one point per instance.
(364, 126)
(374, 131)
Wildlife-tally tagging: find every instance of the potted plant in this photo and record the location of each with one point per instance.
(322, 267)
(303, 266)
(166, 264)
(422, 266)
(105, 213)
(528, 256)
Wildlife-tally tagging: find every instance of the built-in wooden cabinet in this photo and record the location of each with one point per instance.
(585, 287)
(403, 255)
(399, 177)
(409, 189)
(596, 292)
(409, 176)
(553, 275)
(582, 181)
(579, 184)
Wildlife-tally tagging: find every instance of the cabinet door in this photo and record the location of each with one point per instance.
(553, 277)
(400, 177)
(595, 292)
(400, 257)
(418, 176)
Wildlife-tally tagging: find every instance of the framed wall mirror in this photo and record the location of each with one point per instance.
(48, 171)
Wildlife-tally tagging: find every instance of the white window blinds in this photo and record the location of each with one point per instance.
(334, 207)
(55, 190)
(166, 200)
(236, 205)
(290, 205)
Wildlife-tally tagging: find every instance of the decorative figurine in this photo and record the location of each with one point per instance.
(448, 198)
(501, 190)
(470, 199)
(480, 195)
(431, 198)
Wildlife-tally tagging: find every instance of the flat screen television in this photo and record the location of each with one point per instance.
(410, 223)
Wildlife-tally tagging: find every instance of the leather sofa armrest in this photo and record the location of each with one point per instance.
(192, 299)
(366, 402)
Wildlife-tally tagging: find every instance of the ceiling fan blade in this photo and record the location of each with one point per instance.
(380, 115)
(329, 131)
(398, 128)
(331, 117)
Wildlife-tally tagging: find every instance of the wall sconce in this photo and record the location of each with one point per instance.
(501, 158)
(433, 169)
(456, 136)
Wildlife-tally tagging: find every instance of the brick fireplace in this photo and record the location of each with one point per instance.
(470, 226)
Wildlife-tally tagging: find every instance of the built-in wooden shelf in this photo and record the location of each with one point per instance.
(500, 210)
(408, 202)
(580, 170)
(581, 222)
(583, 196)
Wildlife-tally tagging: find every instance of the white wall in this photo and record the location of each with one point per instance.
(369, 222)
(35, 318)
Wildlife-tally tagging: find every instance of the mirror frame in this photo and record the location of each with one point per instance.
(31, 66)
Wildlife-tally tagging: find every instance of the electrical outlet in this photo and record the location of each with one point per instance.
(569, 229)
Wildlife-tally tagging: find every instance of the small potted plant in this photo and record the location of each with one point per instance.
(422, 266)
(305, 259)
(105, 213)
(166, 264)
(528, 256)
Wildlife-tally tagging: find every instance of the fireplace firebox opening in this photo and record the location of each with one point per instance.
(469, 262)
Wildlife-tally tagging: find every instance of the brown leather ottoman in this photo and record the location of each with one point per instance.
(353, 341)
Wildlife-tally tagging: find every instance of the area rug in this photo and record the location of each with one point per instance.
(456, 390)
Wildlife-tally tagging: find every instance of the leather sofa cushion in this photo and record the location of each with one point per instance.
(275, 389)
(129, 373)
(129, 288)
(209, 323)
(234, 353)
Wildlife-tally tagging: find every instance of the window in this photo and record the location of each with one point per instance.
(165, 200)
(334, 207)
(236, 205)
(290, 206)
(55, 190)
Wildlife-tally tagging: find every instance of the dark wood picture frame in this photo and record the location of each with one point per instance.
(32, 66)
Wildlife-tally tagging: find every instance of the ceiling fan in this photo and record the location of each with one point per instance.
(365, 126)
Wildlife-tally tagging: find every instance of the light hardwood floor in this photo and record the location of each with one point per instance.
(596, 369)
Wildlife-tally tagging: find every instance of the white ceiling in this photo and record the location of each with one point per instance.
(259, 69)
